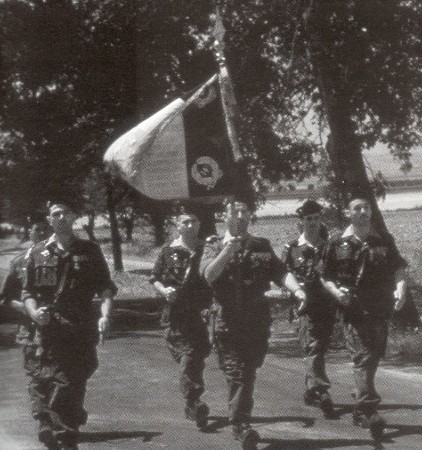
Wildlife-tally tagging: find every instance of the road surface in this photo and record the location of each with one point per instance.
(134, 403)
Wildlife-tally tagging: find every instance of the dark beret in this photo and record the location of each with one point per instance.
(309, 207)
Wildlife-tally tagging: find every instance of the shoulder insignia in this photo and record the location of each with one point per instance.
(212, 239)
(28, 253)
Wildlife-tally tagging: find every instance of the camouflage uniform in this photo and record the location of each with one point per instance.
(367, 269)
(66, 282)
(11, 290)
(242, 316)
(186, 335)
(316, 326)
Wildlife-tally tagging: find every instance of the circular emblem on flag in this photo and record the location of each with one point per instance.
(205, 171)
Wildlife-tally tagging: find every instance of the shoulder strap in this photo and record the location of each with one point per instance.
(62, 281)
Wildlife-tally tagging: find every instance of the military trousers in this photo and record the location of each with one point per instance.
(366, 339)
(58, 383)
(315, 330)
(190, 348)
(239, 358)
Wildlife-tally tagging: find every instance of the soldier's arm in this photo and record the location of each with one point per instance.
(106, 289)
(325, 269)
(332, 288)
(39, 314)
(401, 285)
(291, 283)
(168, 292)
(11, 290)
(106, 309)
(216, 267)
(400, 276)
(282, 276)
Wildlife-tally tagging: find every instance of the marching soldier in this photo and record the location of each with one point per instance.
(302, 257)
(239, 268)
(12, 287)
(175, 276)
(63, 274)
(366, 275)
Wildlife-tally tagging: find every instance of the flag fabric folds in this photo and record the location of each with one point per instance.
(186, 150)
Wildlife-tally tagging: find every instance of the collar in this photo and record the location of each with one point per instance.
(303, 241)
(350, 232)
(178, 242)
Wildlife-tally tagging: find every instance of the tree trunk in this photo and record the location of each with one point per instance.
(89, 227)
(344, 150)
(114, 229)
(158, 221)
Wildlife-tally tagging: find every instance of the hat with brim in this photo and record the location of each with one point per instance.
(309, 207)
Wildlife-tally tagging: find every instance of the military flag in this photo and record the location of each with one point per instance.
(187, 150)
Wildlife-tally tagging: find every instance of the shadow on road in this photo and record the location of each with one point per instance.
(104, 436)
(312, 444)
(342, 409)
(401, 430)
(218, 422)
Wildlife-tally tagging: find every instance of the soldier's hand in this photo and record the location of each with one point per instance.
(400, 299)
(170, 294)
(104, 325)
(234, 244)
(41, 316)
(302, 298)
(344, 296)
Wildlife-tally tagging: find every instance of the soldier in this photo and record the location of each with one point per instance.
(239, 268)
(12, 286)
(63, 274)
(175, 276)
(302, 257)
(366, 275)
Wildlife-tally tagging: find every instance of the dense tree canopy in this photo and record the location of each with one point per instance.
(78, 73)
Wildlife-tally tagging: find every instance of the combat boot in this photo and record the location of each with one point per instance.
(326, 405)
(360, 419)
(246, 435)
(321, 400)
(68, 440)
(198, 413)
(376, 426)
(46, 435)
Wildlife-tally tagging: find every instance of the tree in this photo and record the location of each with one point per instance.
(364, 58)
(354, 66)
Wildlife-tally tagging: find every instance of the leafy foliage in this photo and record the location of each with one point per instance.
(76, 74)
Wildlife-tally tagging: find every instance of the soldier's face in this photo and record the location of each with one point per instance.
(61, 218)
(237, 218)
(38, 232)
(360, 212)
(312, 223)
(188, 225)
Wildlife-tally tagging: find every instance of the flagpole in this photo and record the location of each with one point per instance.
(228, 98)
(231, 116)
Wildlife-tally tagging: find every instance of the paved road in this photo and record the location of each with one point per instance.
(134, 403)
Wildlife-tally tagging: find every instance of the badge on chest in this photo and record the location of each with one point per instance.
(259, 259)
(344, 251)
(78, 261)
(46, 269)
